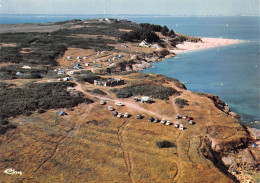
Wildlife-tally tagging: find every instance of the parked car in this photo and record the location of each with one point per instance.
(168, 123)
(136, 99)
(126, 115)
(177, 117)
(156, 120)
(139, 116)
(163, 121)
(176, 125)
(181, 127)
(119, 103)
(119, 115)
(110, 108)
(189, 118)
(191, 122)
(115, 113)
(150, 119)
(185, 117)
(102, 102)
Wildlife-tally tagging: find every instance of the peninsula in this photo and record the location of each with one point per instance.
(76, 109)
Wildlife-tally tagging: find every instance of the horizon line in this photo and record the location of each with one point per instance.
(162, 15)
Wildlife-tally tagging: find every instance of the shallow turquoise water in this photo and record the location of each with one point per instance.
(231, 72)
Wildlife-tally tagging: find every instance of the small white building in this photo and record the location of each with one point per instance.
(26, 67)
(145, 99)
(144, 44)
(107, 20)
(86, 64)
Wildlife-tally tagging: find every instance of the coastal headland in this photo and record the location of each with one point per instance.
(61, 84)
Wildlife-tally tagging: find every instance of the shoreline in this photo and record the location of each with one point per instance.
(206, 43)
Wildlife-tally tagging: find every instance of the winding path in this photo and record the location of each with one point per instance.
(129, 104)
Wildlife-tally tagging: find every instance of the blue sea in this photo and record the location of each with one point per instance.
(231, 72)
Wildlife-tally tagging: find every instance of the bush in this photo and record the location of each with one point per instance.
(33, 96)
(46, 48)
(88, 78)
(181, 102)
(152, 90)
(139, 35)
(164, 144)
(113, 90)
(4, 129)
(3, 122)
(41, 111)
(165, 31)
(98, 91)
(151, 27)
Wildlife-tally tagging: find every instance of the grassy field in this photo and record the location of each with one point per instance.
(91, 145)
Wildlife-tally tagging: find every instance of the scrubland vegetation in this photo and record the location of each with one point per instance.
(152, 90)
(15, 101)
(181, 102)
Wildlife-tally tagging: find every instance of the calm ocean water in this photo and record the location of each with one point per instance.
(231, 72)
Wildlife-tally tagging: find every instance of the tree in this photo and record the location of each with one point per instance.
(150, 37)
(165, 30)
(171, 33)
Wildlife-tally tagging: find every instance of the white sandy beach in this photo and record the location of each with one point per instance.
(205, 44)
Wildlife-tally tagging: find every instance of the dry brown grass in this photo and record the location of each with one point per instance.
(49, 148)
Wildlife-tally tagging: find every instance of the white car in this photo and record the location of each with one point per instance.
(163, 121)
(119, 115)
(126, 115)
(110, 108)
(168, 123)
(102, 102)
(176, 125)
(119, 103)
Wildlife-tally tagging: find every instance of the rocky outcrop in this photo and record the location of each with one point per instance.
(220, 104)
(248, 158)
(220, 145)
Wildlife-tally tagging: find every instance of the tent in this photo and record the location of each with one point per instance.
(62, 113)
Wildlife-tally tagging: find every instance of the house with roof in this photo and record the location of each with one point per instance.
(109, 82)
